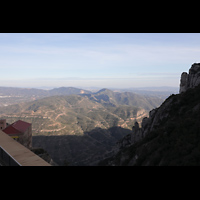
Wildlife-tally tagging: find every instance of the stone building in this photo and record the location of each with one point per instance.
(2, 124)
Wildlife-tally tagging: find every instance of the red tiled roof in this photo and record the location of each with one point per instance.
(21, 125)
(12, 131)
(17, 128)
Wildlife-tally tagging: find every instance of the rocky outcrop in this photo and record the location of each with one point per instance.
(124, 142)
(170, 135)
(44, 155)
(136, 135)
(190, 80)
(158, 116)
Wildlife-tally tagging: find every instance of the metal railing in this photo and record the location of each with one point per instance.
(7, 159)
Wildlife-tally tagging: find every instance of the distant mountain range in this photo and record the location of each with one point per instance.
(108, 97)
(14, 91)
(75, 114)
(13, 95)
(71, 113)
(161, 92)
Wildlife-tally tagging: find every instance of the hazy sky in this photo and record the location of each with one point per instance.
(120, 60)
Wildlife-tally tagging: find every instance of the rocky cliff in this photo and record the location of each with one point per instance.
(171, 133)
(148, 124)
(190, 80)
(187, 81)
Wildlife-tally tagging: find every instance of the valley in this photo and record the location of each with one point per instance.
(74, 114)
(83, 128)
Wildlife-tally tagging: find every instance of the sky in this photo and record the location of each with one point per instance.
(104, 60)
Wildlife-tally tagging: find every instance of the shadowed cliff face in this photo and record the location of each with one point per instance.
(171, 134)
(190, 80)
(87, 149)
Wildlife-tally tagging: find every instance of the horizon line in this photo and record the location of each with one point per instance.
(92, 87)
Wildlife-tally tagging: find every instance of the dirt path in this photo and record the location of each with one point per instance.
(59, 115)
(53, 130)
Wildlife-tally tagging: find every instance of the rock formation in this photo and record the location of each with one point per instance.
(170, 135)
(136, 135)
(190, 80)
(157, 115)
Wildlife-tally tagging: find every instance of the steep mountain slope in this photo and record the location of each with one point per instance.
(170, 136)
(110, 98)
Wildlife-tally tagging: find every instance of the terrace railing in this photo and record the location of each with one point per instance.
(6, 159)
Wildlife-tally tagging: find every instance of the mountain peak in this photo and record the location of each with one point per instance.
(68, 91)
(104, 90)
(190, 80)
